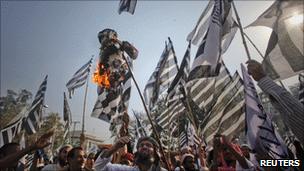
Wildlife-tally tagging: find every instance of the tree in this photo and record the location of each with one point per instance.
(51, 121)
(12, 104)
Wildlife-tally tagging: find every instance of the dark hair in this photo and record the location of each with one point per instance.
(150, 139)
(71, 153)
(5, 147)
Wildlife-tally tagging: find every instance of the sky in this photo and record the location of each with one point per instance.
(56, 38)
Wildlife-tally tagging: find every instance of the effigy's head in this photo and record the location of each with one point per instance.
(106, 35)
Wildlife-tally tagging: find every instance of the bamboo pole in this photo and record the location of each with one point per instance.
(241, 30)
(82, 137)
(147, 112)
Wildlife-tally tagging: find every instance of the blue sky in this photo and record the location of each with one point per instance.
(57, 38)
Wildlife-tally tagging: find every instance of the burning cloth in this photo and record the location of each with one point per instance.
(112, 67)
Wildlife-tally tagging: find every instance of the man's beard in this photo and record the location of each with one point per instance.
(143, 158)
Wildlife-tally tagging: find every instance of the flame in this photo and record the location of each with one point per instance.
(101, 76)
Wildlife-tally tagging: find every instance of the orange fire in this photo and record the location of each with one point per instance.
(101, 79)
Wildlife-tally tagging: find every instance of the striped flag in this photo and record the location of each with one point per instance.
(67, 117)
(176, 95)
(162, 76)
(79, 78)
(33, 120)
(127, 6)
(188, 136)
(140, 131)
(10, 131)
(182, 75)
(215, 42)
(301, 88)
(260, 132)
(111, 104)
(205, 91)
(284, 55)
(227, 114)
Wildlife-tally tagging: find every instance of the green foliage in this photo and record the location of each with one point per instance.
(12, 104)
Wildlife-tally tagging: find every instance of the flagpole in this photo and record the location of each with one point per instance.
(260, 53)
(82, 137)
(241, 30)
(147, 112)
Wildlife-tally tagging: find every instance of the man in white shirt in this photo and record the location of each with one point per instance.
(62, 160)
(146, 157)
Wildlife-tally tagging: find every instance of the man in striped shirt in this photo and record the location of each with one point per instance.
(291, 110)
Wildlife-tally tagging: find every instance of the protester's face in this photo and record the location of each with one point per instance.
(189, 163)
(63, 154)
(90, 161)
(146, 147)
(78, 161)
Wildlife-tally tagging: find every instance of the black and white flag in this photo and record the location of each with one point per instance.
(284, 56)
(127, 6)
(33, 121)
(162, 76)
(217, 38)
(79, 78)
(227, 115)
(10, 131)
(111, 104)
(301, 88)
(260, 132)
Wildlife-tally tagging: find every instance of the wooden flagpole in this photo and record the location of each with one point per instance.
(241, 30)
(147, 112)
(82, 137)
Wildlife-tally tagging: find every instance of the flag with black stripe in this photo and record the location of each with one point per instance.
(204, 92)
(260, 132)
(67, 116)
(227, 114)
(179, 82)
(127, 6)
(10, 131)
(33, 121)
(162, 76)
(301, 88)
(284, 55)
(112, 103)
(79, 78)
(216, 40)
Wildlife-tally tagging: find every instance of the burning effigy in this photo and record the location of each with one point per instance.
(112, 66)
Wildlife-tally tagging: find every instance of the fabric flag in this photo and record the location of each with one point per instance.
(67, 116)
(284, 55)
(33, 120)
(127, 6)
(140, 131)
(260, 132)
(176, 95)
(10, 131)
(79, 78)
(162, 76)
(188, 136)
(181, 77)
(204, 92)
(111, 104)
(227, 114)
(301, 88)
(208, 57)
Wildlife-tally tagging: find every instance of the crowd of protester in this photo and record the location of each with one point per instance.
(224, 155)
